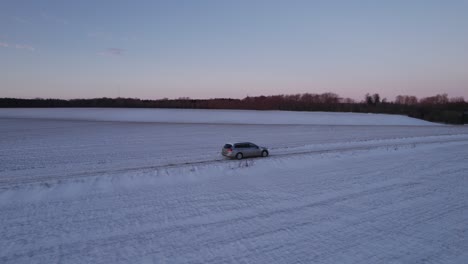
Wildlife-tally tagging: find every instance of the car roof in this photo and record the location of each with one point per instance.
(232, 144)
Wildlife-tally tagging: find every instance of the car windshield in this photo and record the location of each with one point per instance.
(228, 146)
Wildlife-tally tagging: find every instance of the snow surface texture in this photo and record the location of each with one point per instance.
(213, 116)
(116, 192)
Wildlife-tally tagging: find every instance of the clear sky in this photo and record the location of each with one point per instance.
(232, 48)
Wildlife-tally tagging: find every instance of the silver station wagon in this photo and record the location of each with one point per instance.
(243, 150)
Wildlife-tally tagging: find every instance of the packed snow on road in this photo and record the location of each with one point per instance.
(150, 186)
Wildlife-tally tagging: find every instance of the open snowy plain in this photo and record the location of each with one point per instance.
(149, 186)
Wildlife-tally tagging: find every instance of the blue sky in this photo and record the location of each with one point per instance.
(205, 49)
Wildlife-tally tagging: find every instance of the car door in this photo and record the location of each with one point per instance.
(244, 148)
(254, 150)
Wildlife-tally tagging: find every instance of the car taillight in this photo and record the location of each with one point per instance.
(229, 150)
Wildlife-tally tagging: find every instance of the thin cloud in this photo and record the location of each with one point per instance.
(26, 47)
(17, 46)
(54, 19)
(21, 20)
(100, 35)
(113, 52)
(109, 36)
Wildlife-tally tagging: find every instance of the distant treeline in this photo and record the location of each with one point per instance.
(439, 108)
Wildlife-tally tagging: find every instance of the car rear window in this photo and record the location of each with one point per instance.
(228, 146)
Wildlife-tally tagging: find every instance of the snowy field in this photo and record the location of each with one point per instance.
(149, 186)
(212, 116)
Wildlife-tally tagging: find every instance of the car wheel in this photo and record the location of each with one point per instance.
(239, 156)
(264, 153)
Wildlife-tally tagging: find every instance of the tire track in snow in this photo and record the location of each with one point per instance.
(7, 183)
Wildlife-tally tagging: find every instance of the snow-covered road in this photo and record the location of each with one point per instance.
(120, 192)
